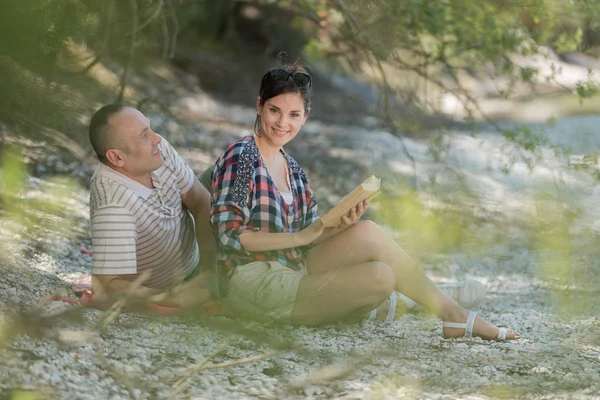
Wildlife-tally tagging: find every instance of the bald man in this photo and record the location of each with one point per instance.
(149, 214)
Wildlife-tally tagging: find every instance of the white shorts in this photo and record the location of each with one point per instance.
(264, 291)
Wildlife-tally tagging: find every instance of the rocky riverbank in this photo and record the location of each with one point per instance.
(542, 290)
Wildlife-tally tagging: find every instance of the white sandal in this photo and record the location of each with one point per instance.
(468, 327)
(391, 311)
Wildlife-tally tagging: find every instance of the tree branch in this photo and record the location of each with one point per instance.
(175, 22)
(369, 51)
(134, 23)
(164, 27)
(108, 21)
(152, 17)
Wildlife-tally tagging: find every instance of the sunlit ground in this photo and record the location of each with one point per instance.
(533, 248)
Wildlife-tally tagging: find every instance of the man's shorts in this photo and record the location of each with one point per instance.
(264, 291)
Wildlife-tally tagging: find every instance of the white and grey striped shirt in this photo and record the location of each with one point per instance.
(136, 229)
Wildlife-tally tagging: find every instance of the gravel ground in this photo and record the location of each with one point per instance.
(144, 357)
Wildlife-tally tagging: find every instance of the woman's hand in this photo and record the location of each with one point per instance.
(347, 221)
(311, 232)
(354, 215)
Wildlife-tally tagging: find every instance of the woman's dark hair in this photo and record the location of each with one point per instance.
(270, 88)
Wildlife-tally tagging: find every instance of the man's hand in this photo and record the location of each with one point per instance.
(192, 293)
(188, 294)
(197, 200)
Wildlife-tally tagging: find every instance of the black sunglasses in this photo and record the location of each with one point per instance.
(300, 79)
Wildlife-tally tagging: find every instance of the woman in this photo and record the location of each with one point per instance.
(280, 262)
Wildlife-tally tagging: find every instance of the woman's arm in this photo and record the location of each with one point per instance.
(266, 241)
(314, 233)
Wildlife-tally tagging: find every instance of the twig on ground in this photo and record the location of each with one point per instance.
(338, 371)
(183, 382)
(246, 360)
(189, 371)
(115, 310)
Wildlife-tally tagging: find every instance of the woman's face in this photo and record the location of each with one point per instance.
(281, 118)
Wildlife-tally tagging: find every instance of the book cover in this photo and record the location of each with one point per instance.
(367, 190)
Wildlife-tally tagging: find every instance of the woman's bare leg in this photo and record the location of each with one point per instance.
(366, 242)
(342, 294)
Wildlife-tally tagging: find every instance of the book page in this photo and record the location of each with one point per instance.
(365, 191)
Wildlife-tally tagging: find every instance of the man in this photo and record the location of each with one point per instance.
(142, 200)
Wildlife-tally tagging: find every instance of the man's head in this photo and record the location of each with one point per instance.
(123, 140)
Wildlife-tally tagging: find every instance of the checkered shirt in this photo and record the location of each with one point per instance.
(244, 197)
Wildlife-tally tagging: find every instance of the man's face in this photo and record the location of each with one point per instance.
(138, 150)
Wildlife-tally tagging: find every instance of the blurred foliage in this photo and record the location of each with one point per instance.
(35, 215)
(434, 43)
(26, 395)
(432, 227)
(416, 50)
(33, 32)
(567, 258)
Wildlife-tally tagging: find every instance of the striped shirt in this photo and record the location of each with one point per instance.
(136, 229)
(244, 197)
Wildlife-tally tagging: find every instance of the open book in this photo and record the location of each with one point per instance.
(365, 191)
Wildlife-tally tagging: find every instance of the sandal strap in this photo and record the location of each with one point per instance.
(470, 322)
(372, 315)
(467, 326)
(392, 310)
(502, 333)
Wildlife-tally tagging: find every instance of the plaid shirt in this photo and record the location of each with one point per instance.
(244, 197)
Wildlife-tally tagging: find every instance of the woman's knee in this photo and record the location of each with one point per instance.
(371, 237)
(382, 280)
(367, 227)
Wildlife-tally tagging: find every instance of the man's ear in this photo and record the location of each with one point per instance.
(115, 157)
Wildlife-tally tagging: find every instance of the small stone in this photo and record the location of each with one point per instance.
(273, 371)
(312, 391)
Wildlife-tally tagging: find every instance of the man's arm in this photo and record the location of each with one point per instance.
(184, 295)
(105, 285)
(197, 200)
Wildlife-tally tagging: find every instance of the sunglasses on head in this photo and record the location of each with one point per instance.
(300, 79)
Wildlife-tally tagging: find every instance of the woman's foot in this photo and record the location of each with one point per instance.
(464, 323)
